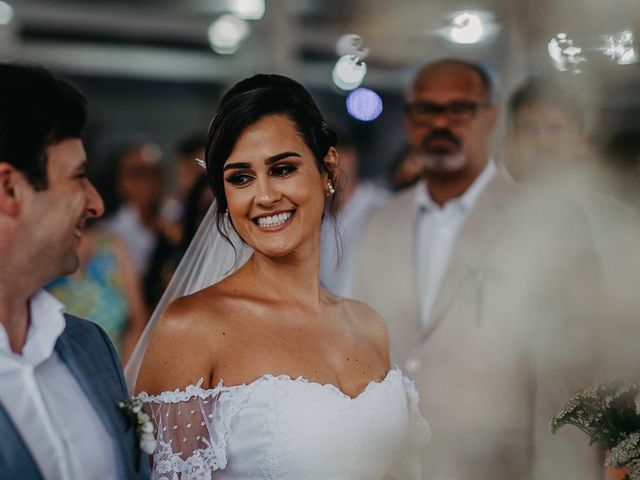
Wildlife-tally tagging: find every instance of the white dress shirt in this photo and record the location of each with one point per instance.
(63, 432)
(437, 231)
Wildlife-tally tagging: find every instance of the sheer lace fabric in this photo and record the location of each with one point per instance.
(280, 428)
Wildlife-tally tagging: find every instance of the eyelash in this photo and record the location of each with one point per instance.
(281, 171)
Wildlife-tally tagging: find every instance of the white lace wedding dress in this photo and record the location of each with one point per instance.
(282, 428)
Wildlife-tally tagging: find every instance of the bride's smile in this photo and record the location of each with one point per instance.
(274, 222)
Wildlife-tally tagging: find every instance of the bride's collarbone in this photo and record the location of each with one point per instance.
(347, 365)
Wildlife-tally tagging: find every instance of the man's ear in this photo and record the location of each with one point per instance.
(331, 163)
(10, 179)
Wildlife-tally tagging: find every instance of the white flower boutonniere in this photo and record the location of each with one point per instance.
(133, 409)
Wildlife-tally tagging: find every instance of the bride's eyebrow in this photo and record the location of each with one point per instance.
(268, 161)
(280, 156)
(230, 166)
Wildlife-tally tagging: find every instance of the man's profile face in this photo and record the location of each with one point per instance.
(544, 140)
(449, 120)
(57, 215)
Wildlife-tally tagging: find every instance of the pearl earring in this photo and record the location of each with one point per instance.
(331, 189)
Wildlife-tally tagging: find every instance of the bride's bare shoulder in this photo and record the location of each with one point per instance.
(184, 342)
(369, 322)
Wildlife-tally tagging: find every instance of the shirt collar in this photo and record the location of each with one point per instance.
(46, 324)
(467, 200)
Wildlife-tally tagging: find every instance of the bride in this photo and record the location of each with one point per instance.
(265, 374)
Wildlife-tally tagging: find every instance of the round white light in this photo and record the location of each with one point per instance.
(467, 28)
(348, 72)
(248, 9)
(226, 33)
(6, 13)
(364, 104)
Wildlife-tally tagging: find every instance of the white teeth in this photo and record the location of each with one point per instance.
(274, 220)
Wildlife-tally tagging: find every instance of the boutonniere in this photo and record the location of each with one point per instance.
(133, 409)
(479, 272)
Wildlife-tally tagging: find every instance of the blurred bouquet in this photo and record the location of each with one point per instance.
(610, 414)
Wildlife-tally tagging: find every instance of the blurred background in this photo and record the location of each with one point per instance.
(154, 70)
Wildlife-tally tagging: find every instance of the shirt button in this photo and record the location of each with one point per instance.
(412, 364)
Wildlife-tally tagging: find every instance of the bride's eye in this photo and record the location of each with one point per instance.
(239, 179)
(283, 170)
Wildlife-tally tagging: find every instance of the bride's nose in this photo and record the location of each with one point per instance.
(266, 194)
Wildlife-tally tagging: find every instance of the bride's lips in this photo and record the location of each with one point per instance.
(274, 221)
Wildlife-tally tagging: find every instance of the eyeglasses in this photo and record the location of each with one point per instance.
(458, 111)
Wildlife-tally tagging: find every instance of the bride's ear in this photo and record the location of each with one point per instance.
(331, 165)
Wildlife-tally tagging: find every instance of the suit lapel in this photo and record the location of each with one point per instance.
(16, 460)
(485, 224)
(403, 257)
(82, 368)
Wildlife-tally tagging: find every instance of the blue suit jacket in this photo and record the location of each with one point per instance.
(90, 357)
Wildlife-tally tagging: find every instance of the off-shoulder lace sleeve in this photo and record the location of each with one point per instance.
(191, 431)
(409, 466)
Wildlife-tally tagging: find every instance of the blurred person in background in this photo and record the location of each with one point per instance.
(338, 242)
(548, 150)
(105, 289)
(138, 221)
(547, 133)
(488, 291)
(196, 204)
(141, 186)
(166, 257)
(178, 208)
(186, 172)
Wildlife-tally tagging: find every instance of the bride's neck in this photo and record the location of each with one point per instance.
(292, 279)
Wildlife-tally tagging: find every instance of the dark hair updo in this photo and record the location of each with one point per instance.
(247, 102)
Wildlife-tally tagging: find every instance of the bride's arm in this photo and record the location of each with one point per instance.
(177, 354)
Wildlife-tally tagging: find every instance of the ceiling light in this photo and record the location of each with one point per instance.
(620, 48)
(466, 28)
(6, 13)
(226, 33)
(349, 72)
(351, 44)
(247, 9)
(566, 56)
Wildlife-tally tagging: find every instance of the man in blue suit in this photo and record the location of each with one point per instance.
(60, 380)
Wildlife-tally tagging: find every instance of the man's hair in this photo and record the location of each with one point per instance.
(546, 91)
(477, 68)
(36, 110)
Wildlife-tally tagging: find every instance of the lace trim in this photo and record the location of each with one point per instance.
(198, 466)
(420, 427)
(182, 395)
(191, 391)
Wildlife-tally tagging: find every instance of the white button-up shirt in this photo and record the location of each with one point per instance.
(437, 231)
(63, 432)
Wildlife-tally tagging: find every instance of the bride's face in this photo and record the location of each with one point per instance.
(275, 191)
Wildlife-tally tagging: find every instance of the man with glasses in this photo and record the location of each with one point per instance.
(483, 287)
